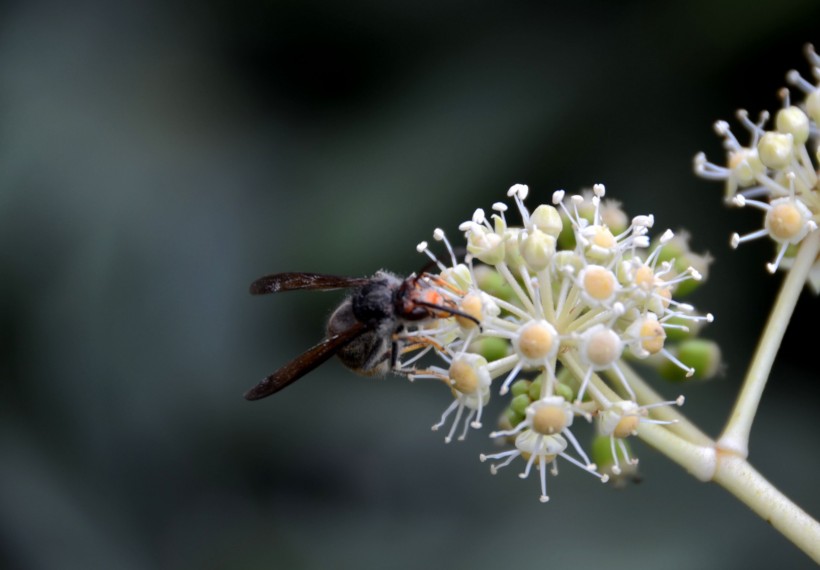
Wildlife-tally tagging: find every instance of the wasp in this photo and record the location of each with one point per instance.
(364, 330)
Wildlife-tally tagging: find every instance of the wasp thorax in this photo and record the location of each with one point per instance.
(373, 302)
(628, 425)
(536, 341)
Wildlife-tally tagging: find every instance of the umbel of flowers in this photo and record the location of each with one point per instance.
(559, 302)
(775, 168)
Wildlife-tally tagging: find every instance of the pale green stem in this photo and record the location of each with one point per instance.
(578, 372)
(646, 395)
(739, 478)
(735, 436)
(696, 453)
(520, 293)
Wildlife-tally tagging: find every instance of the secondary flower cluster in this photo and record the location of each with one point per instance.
(776, 170)
(552, 323)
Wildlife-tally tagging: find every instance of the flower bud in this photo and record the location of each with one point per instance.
(745, 166)
(537, 249)
(776, 149)
(793, 120)
(520, 387)
(512, 248)
(520, 403)
(491, 281)
(485, 245)
(701, 354)
(813, 105)
(491, 348)
(548, 220)
(601, 455)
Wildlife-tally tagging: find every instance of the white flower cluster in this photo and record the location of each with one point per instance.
(778, 165)
(571, 313)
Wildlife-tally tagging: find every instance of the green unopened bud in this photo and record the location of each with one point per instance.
(512, 417)
(568, 258)
(675, 248)
(537, 249)
(746, 166)
(459, 276)
(564, 391)
(535, 389)
(793, 120)
(491, 281)
(491, 348)
(699, 263)
(512, 248)
(485, 245)
(548, 220)
(566, 239)
(601, 452)
(701, 354)
(776, 149)
(676, 335)
(520, 387)
(601, 455)
(519, 403)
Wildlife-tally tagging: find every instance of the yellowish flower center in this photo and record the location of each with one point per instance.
(604, 238)
(463, 377)
(645, 277)
(603, 348)
(784, 221)
(535, 342)
(653, 336)
(471, 305)
(549, 420)
(626, 427)
(599, 283)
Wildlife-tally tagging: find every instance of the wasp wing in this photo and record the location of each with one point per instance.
(304, 363)
(295, 281)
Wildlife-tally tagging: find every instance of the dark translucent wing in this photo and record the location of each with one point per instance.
(304, 363)
(294, 281)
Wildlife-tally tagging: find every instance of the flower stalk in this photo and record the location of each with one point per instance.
(735, 437)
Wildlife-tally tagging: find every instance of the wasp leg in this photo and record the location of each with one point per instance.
(413, 373)
(444, 284)
(416, 343)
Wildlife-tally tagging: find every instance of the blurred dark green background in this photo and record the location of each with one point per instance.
(155, 158)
